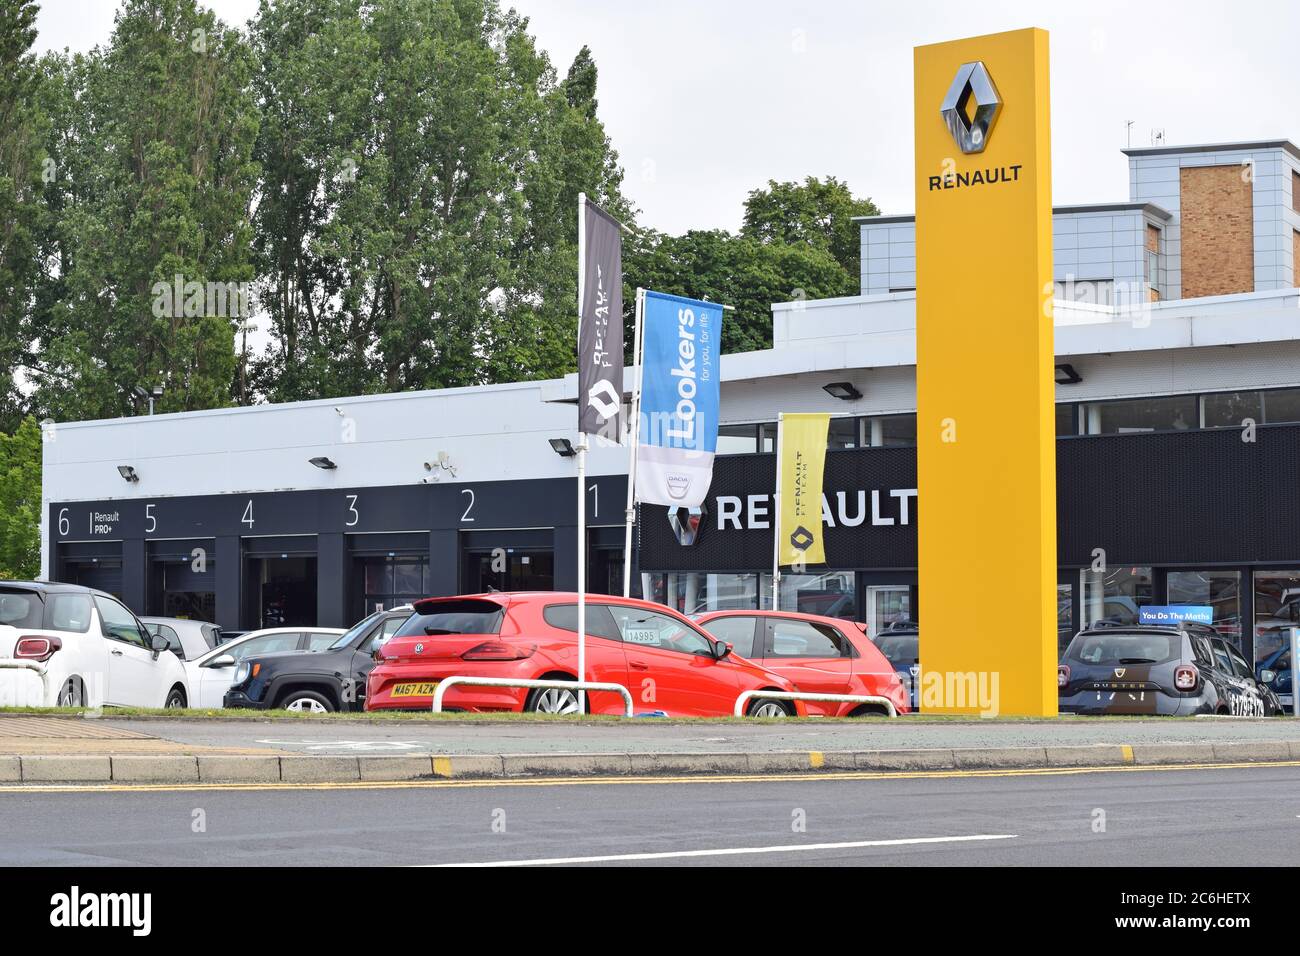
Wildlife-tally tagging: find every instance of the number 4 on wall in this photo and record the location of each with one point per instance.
(248, 514)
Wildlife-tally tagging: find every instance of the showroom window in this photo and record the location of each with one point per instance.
(843, 433)
(885, 430)
(737, 439)
(1219, 590)
(1064, 617)
(831, 593)
(1172, 413)
(1065, 421)
(1277, 609)
(1282, 405)
(391, 581)
(693, 592)
(1113, 596)
(1231, 409)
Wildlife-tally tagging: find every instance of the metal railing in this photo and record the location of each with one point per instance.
(749, 695)
(549, 684)
(38, 669)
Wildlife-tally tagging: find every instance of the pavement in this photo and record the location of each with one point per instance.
(1104, 817)
(55, 751)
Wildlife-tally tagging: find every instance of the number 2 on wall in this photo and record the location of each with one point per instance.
(469, 507)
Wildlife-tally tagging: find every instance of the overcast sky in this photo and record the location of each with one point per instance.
(708, 99)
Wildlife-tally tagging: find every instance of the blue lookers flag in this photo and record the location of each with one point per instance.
(682, 345)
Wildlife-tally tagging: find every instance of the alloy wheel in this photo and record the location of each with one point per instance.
(556, 700)
(306, 705)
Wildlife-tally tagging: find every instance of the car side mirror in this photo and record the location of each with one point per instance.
(1267, 676)
(221, 660)
(158, 644)
(721, 649)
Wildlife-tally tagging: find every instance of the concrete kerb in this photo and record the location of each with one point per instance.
(314, 769)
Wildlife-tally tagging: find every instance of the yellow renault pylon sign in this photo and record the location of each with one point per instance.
(985, 393)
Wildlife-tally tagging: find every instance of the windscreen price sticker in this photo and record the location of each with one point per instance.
(642, 635)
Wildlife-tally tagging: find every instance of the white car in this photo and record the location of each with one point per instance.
(62, 645)
(186, 639)
(210, 675)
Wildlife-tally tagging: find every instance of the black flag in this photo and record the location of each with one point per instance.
(600, 325)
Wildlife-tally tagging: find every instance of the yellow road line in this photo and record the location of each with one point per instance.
(631, 780)
(1127, 751)
(816, 759)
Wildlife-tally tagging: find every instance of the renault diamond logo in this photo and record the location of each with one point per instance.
(687, 523)
(971, 107)
(801, 539)
(1120, 672)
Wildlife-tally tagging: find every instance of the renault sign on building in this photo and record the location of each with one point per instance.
(985, 466)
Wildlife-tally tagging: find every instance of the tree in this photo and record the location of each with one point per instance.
(817, 213)
(151, 147)
(21, 214)
(734, 270)
(20, 502)
(416, 223)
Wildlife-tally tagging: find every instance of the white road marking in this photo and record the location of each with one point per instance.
(734, 851)
(346, 744)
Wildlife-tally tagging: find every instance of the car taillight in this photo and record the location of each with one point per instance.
(498, 651)
(37, 648)
(1063, 675)
(1186, 676)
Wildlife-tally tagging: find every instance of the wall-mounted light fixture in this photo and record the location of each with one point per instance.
(1066, 375)
(322, 462)
(562, 447)
(844, 390)
(128, 473)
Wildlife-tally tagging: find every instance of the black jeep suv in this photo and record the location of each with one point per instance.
(316, 681)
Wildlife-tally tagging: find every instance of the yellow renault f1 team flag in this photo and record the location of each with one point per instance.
(801, 460)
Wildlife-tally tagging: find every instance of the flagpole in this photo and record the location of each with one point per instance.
(639, 313)
(776, 520)
(581, 449)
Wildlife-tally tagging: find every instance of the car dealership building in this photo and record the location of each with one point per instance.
(1177, 328)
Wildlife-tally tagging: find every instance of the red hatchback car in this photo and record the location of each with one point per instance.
(666, 662)
(820, 655)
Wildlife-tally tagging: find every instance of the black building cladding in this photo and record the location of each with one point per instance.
(1204, 498)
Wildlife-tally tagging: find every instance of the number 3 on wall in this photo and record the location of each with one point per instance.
(352, 509)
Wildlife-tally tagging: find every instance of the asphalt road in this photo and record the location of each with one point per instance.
(1212, 817)
(648, 736)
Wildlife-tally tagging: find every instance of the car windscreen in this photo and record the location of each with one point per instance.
(454, 617)
(355, 631)
(1125, 648)
(59, 611)
(899, 648)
